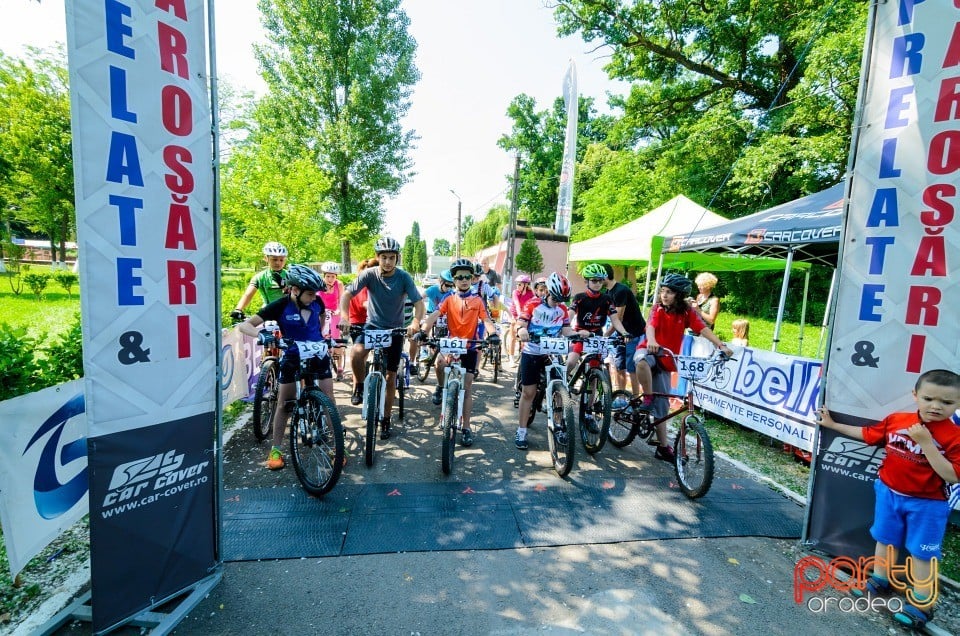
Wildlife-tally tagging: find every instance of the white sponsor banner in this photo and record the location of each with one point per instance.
(897, 294)
(43, 469)
(769, 392)
(239, 365)
(568, 166)
(145, 218)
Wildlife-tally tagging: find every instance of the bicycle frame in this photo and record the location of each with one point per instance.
(454, 371)
(378, 370)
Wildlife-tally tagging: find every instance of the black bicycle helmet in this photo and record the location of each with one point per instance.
(676, 282)
(305, 278)
(477, 269)
(461, 264)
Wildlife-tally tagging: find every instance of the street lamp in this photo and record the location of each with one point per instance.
(459, 209)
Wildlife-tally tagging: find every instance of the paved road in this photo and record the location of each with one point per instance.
(684, 586)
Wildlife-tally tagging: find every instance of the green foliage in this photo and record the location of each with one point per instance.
(488, 231)
(538, 137)
(17, 365)
(62, 360)
(529, 259)
(15, 266)
(37, 282)
(340, 77)
(36, 159)
(442, 247)
(66, 279)
(415, 251)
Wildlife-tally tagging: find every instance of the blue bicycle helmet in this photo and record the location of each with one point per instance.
(446, 276)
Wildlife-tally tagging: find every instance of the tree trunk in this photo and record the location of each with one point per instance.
(345, 255)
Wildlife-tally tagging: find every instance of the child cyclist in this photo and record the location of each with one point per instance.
(331, 302)
(300, 316)
(521, 296)
(911, 510)
(270, 282)
(669, 317)
(540, 317)
(464, 312)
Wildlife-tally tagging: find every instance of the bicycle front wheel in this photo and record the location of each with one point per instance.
(423, 372)
(371, 399)
(623, 427)
(595, 400)
(449, 417)
(316, 443)
(265, 399)
(694, 457)
(401, 389)
(561, 431)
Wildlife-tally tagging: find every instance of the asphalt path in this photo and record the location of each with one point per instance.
(735, 585)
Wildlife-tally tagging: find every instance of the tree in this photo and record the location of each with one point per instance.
(529, 259)
(36, 157)
(442, 247)
(340, 75)
(783, 75)
(488, 231)
(539, 138)
(415, 251)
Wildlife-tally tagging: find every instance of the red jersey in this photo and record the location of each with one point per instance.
(906, 469)
(358, 308)
(668, 329)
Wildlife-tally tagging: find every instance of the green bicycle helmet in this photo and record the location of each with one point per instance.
(594, 270)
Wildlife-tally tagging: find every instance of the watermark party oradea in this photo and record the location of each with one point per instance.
(813, 574)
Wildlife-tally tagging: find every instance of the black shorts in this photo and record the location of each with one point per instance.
(531, 368)
(290, 368)
(392, 352)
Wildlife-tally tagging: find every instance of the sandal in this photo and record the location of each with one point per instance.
(873, 587)
(913, 617)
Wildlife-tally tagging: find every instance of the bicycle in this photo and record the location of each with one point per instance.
(552, 388)
(426, 362)
(451, 413)
(375, 384)
(693, 461)
(316, 432)
(265, 393)
(492, 357)
(590, 382)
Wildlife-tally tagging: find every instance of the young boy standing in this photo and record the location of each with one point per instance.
(923, 457)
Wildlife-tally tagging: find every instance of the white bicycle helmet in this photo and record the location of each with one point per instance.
(386, 244)
(558, 286)
(274, 249)
(330, 268)
(305, 278)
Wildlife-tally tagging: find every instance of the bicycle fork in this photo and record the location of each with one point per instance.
(381, 398)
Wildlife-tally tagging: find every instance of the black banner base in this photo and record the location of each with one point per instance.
(159, 623)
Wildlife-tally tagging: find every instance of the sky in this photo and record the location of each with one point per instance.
(474, 57)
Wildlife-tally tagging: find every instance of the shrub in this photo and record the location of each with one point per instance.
(37, 282)
(63, 359)
(18, 368)
(66, 279)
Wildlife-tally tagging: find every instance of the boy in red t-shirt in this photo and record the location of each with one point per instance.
(922, 458)
(670, 316)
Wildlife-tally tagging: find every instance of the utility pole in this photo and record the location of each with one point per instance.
(459, 210)
(512, 230)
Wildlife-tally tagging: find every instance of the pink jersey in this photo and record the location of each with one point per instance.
(331, 301)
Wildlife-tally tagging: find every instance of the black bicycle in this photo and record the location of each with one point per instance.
(429, 360)
(492, 359)
(316, 432)
(265, 394)
(554, 394)
(693, 461)
(590, 382)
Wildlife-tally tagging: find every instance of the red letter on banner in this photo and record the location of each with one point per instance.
(173, 50)
(181, 286)
(178, 9)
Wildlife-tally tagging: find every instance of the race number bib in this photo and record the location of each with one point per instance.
(693, 368)
(554, 345)
(377, 338)
(312, 349)
(596, 344)
(453, 346)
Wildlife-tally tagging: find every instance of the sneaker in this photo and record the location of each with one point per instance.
(466, 439)
(385, 428)
(521, 443)
(665, 453)
(620, 403)
(646, 404)
(437, 395)
(357, 396)
(275, 459)
(590, 422)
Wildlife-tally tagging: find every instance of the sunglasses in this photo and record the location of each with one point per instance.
(595, 280)
(463, 277)
(446, 284)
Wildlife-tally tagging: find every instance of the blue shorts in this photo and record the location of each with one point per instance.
(625, 356)
(911, 522)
